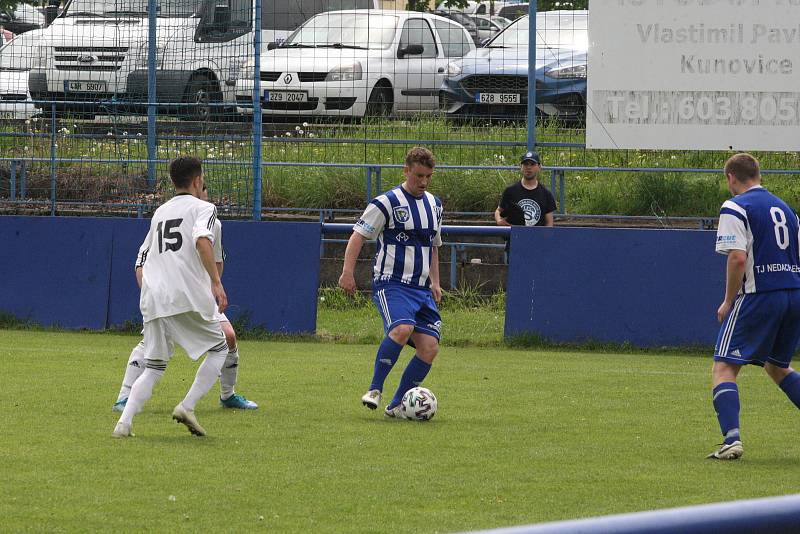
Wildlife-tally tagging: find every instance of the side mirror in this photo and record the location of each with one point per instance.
(272, 46)
(410, 50)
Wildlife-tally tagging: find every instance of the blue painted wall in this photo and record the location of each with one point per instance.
(646, 287)
(78, 272)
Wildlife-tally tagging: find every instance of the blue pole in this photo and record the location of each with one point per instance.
(369, 184)
(532, 6)
(257, 132)
(13, 180)
(53, 149)
(152, 8)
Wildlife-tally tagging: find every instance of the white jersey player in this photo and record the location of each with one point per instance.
(228, 396)
(180, 297)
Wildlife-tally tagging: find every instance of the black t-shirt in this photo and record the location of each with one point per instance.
(526, 207)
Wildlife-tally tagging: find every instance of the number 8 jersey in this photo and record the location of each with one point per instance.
(765, 227)
(174, 280)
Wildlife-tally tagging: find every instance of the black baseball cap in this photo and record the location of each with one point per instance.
(531, 156)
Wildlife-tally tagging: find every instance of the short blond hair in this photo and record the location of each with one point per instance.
(421, 156)
(743, 167)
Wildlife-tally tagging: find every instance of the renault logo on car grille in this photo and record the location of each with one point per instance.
(87, 58)
(287, 79)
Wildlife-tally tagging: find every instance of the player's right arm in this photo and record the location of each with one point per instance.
(347, 280)
(369, 226)
(498, 218)
(141, 257)
(732, 241)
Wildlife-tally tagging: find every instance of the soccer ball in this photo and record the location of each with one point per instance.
(419, 404)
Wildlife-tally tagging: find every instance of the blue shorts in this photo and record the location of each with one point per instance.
(401, 304)
(760, 328)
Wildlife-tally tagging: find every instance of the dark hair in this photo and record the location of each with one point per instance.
(184, 169)
(743, 167)
(420, 155)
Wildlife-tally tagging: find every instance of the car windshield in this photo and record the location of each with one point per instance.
(112, 8)
(17, 55)
(553, 30)
(346, 30)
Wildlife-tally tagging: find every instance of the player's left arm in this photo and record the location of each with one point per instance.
(436, 288)
(551, 208)
(548, 219)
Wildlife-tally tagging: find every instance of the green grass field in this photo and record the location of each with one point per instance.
(521, 436)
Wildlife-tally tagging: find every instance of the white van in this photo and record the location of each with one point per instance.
(95, 52)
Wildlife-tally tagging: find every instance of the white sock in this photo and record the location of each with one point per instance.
(142, 389)
(230, 372)
(133, 371)
(207, 375)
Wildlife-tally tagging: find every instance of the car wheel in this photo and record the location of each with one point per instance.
(380, 102)
(201, 93)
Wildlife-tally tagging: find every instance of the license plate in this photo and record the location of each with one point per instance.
(85, 87)
(497, 98)
(285, 96)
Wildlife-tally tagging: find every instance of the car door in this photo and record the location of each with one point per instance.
(416, 74)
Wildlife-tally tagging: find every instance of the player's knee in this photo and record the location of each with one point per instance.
(777, 374)
(401, 333)
(428, 352)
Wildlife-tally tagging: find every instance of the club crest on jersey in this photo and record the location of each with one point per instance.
(401, 214)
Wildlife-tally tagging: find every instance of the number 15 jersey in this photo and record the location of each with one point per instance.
(765, 227)
(174, 280)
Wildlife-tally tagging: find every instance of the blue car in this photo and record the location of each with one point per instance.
(492, 81)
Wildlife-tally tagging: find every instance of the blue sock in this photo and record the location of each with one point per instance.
(791, 386)
(726, 404)
(387, 356)
(415, 373)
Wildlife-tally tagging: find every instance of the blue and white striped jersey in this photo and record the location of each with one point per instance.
(765, 227)
(406, 228)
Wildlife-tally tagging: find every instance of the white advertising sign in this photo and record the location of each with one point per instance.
(694, 74)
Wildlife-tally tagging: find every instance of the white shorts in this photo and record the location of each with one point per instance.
(189, 330)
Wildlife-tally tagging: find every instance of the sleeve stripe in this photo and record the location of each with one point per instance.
(377, 203)
(729, 211)
(143, 257)
(211, 220)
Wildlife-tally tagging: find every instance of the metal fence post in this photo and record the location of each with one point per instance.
(152, 18)
(369, 184)
(13, 180)
(453, 267)
(257, 129)
(561, 191)
(378, 186)
(23, 171)
(53, 148)
(532, 7)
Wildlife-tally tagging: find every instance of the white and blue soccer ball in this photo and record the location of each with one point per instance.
(419, 404)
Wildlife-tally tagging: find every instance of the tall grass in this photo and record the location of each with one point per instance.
(314, 186)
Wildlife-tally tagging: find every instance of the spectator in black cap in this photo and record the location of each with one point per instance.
(527, 202)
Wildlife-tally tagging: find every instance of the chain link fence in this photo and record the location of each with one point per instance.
(308, 107)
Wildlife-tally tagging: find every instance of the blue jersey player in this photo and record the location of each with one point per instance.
(407, 222)
(760, 315)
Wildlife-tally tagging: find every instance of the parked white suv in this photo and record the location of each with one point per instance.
(96, 52)
(357, 62)
(15, 63)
